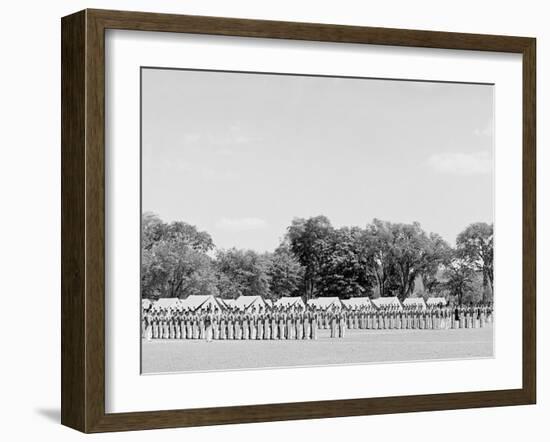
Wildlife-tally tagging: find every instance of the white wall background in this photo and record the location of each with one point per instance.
(30, 221)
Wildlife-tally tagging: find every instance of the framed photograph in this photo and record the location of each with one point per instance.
(267, 221)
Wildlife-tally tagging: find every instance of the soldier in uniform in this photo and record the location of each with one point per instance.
(148, 325)
(231, 325)
(246, 325)
(189, 324)
(143, 322)
(282, 324)
(260, 329)
(215, 316)
(208, 325)
(161, 324)
(456, 319)
(333, 324)
(202, 324)
(183, 324)
(164, 324)
(274, 324)
(252, 324)
(223, 325)
(197, 320)
(342, 323)
(239, 320)
(299, 325)
(177, 322)
(307, 324)
(155, 325)
(289, 325)
(482, 316)
(171, 326)
(315, 322)
(267, 324)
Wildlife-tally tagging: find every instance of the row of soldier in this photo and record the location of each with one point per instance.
(296, 322)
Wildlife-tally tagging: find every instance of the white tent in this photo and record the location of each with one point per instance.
(351, 303)
(415, 302)
(325, 303)
(146, 303)
(387, 302)
(249, 302)
(436, 301)
(290, 301)
(229, 303)
(166, 303)
(199, 302)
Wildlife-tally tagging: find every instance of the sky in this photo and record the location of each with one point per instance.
(241, 154)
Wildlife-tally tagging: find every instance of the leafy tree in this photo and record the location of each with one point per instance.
(242, 272)
(152, 229)
(174, 260)
(173, 269)
(187, 234)
(308, 239)
(316, 259)
(398, 253)
(228, 288)
(285, 273)
(475, 246)
(343, 269)
(459, 279)
(375, 242)
(409, 250)
(438, 255)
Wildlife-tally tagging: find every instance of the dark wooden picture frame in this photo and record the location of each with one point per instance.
(83, 220)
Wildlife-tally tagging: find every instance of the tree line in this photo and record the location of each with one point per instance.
(315, 259)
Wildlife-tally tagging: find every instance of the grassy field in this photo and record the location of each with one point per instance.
(359, 346)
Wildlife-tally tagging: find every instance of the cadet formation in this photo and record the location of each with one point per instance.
(303, 323)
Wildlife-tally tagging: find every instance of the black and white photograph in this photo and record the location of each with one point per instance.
(307, 220)
(275, 221)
